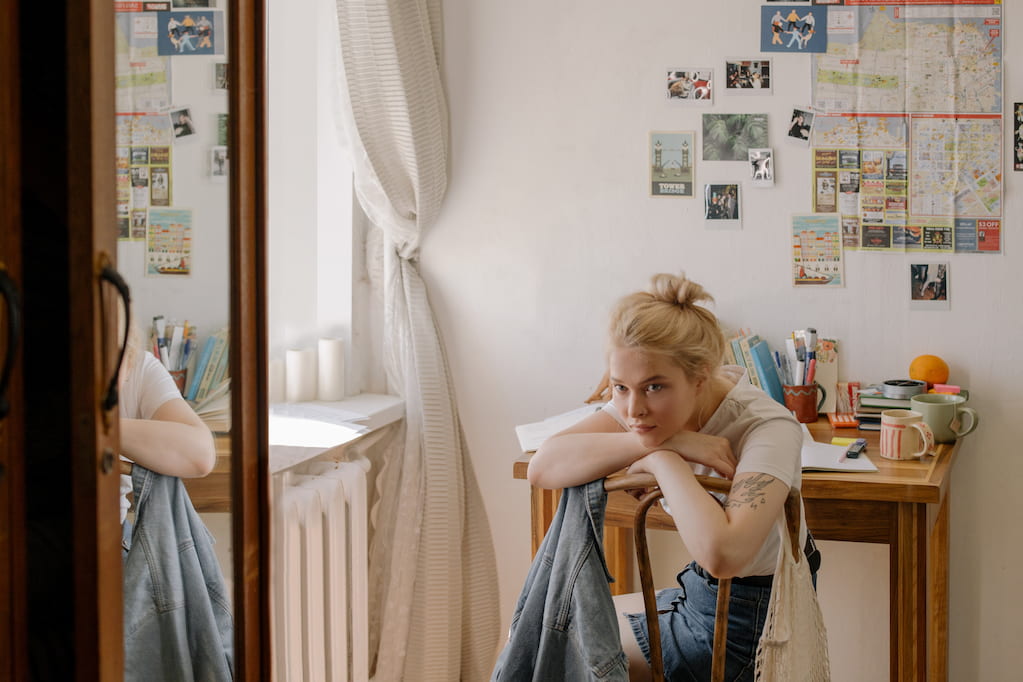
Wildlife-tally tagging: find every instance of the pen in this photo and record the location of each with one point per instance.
(811, 370)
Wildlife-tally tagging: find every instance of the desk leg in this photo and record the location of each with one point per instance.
(617, 551)
(544, 504)
(937, 589)
(908, 599)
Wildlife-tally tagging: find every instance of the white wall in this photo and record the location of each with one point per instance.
(547, 221)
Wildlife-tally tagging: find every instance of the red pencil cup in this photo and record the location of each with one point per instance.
(802, 400)
(178, 375)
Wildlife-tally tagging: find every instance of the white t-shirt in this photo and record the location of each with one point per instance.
(765, 439)
(146, 386)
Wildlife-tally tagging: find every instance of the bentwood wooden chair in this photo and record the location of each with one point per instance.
(646, 486)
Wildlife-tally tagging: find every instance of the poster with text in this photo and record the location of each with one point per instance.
(672, 163)
(817, 250)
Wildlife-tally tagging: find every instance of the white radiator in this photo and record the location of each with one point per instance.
(320, 583)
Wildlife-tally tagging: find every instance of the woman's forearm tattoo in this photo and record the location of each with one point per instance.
(749, 492)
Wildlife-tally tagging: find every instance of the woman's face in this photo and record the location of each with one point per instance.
(653, 394)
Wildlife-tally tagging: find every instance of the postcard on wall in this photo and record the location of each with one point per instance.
(220, 77)
(672, 163)
(218, 163)
(160, 186)
(748, 76)
(729, 137)
(722, 207)
(801, 126)
(928, 286)
(169, 242)
(791, 28)
(691, 84)
(817, 250)
(190, 33)
(181, 122)
(761, 166)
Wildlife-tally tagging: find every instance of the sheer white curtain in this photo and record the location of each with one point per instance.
(432, 560)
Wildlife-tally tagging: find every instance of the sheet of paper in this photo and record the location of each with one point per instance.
(531, 435)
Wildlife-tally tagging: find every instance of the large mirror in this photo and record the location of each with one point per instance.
(174, 236)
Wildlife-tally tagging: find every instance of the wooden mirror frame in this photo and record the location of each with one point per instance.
(250, 501)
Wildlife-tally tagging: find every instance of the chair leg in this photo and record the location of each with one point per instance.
(646, 579)
(717, 670)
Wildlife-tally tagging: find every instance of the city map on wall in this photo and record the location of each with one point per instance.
(908, 135)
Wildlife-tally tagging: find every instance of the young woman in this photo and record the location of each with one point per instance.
(159, 430)
(677, 412)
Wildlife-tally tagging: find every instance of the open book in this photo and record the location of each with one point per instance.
(825, 456)
(531, 435)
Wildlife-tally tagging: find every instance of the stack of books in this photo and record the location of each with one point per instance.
(870, 403)
(750, 351)
(209, 386)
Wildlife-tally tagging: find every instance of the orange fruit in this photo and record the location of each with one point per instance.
(929, 368)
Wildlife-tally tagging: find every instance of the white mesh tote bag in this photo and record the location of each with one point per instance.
(794, 644)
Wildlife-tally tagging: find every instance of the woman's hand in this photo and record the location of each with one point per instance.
(700, 448)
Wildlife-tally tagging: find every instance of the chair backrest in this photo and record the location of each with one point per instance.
(651, 493)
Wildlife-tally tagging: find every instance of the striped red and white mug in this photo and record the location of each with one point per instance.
(904, 435)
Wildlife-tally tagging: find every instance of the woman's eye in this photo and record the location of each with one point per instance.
(653, 388)
(619, 388)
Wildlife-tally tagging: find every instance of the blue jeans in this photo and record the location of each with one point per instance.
(686, 617)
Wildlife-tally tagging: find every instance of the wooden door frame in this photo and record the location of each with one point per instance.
(13, 635)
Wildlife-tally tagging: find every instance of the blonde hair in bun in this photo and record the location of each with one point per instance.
(668, 319)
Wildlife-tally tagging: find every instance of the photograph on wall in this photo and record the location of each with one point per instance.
(190, 33)
(761, 166)
(928, 286)
(691, 84)
(817, 250)
(801, 126)
(748, 76)
(672, 163)
(169, 242)
(220, 77)
(729, 137)
(218, 163)
(722, 206)
(793, 28)
(181, 122)
(1017, 136)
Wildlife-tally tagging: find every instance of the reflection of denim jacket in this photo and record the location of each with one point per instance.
(565, 626)
(177, 618)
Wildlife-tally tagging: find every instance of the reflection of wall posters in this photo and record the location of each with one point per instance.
(748, 76)
(143, 180)
(220, 77)
(672, 163)
(143, 129)
(928, 286)
(817, 250)
(169, 242)
(761, 166)
(722, 206)
(190, 33)
(793, 28)
(690, 84)
(142, 78)
(729, 137)
(1017, 136)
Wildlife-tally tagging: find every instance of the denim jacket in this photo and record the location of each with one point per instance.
(177, 617)
(564, 626)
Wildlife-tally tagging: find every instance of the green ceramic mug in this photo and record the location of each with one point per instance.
(944, 413)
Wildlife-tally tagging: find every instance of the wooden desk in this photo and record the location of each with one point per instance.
(903, 505)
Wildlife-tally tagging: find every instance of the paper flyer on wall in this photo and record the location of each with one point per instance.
(143, 77)
(169, 242)
(916, 94)
(817, 250)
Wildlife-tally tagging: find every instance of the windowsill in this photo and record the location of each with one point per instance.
(302, 431)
